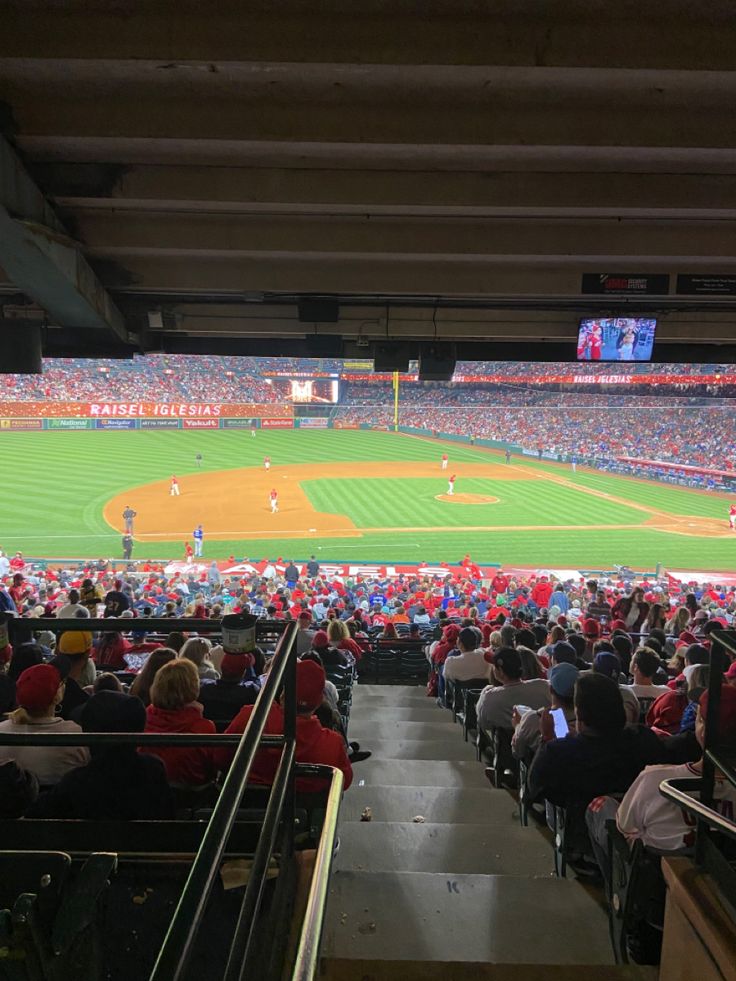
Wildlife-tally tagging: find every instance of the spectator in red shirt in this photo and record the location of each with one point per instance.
(542, 592)
(314, 743)
(499, 583)
(174, 708)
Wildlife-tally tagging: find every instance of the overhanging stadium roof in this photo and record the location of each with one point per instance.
(179, 176)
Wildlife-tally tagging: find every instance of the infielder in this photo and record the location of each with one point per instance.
(732, 517)
(444, 461)
(274, 497)
(174, 488)
(267, 463)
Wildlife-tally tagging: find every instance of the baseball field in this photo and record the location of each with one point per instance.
(343, 495)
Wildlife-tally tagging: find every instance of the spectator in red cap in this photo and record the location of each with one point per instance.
(304, 633)
(38, 691)
(314, 743)
(330, 655)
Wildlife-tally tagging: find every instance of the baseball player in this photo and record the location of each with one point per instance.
(267, 463)
(274, 497)
(732, 517)
(451, 485)
(444, 461)
(198, 460)
(174, 488)
(198, 536)
(128, 515)
(253, 433)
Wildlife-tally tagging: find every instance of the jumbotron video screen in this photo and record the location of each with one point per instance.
(307, 391)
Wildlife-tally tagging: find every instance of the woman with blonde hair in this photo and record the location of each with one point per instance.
(338, 635)
(676, 624)
(197, 650)
(174, 708)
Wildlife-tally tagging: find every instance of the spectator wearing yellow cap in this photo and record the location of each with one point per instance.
(38, 691)
(75, 648)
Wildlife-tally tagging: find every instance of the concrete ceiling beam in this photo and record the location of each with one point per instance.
(235, 189)
(42, 261)
(664, 34)
(130, 233)
(517, 278)
(182, 117)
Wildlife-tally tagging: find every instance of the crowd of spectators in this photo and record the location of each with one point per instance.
(598, 687)
(700, 437)
(209, 378)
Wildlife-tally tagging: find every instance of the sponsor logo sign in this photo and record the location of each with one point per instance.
(159, 424)
(277, 423)
(21, 424)
(69, 423)
(313, 423)
(239, 423)
(631, 284)
(346, 425)
(201, 423)
(115, 423)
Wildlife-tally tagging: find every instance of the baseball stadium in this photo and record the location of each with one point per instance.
(549, 467)
(368, 519)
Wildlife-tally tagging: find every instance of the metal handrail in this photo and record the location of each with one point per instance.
(131, 739)
(672, 790)
(176, 949)
(307, 953)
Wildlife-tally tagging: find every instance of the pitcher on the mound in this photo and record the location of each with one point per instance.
(274, 497)
(732, 517)
(451, 485)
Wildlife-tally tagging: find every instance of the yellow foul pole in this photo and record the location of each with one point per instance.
(396, 401)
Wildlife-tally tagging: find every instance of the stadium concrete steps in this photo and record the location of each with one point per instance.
(463, 888)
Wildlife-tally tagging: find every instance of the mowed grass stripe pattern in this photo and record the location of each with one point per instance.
(57, 483)
(412, 503)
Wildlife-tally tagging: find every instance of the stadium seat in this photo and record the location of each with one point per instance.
(636, 896)
(50, 915)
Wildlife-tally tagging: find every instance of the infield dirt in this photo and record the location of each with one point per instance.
(236, 504)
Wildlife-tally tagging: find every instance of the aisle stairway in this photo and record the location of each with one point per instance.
(442, 882)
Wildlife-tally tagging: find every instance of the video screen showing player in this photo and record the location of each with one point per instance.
(618, 339)
(307, 390)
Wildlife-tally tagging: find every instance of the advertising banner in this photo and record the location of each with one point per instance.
(115, 423)
(346, 425)
(21, 424)
(277, 423)
(144, 410)
(159, 424)
(240, 423)
(69, 424)
(313, 423)
(200, 423)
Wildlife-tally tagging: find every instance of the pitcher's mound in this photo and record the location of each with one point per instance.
(467, 498)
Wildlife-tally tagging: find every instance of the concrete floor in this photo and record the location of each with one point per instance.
(466, 884)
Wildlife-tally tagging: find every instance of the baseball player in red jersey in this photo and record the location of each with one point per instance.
(732, 517)
(444, 461)
(451, 485)
(267, 463)
(596, 342)
(174, 488)
(274, 497)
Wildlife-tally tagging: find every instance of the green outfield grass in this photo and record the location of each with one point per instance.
(56, 484)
